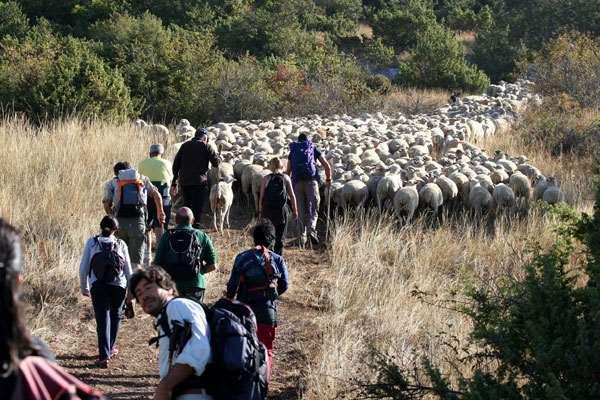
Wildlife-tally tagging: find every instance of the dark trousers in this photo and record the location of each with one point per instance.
(193, 197)
(108, 303)
(280, 222)
(195, 294)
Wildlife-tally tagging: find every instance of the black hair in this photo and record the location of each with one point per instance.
(302, 137)
(15, 339)
(151, 274)
(120, 166)
(108, 225)
(263, 233)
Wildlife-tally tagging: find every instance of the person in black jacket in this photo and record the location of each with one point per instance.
(190, 169)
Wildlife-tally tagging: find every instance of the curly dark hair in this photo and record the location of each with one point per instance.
(15, 339)
(152, 274)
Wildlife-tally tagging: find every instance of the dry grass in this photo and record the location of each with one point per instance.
(415, 101)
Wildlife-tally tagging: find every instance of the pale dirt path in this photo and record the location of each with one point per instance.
(133, 372)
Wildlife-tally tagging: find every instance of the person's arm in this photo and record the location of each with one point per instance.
(292, 196)
(234, 279)
(161, 250)
(213, 156)
(107, 198)
(327, 168)
(176, 168)
(128, 270)
(288, 168)
(153, 191)
(283, 281)
(84, 268)
(261, 198)
(177, 374)
(209, 255)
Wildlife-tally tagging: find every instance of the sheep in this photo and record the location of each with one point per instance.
(257, 179)
(387, 188)
(160, 133)
(449, 190)
(541, 184)
(499, 175)
(553, 194)
(431, 197)
(221, 199)
(406, 201)
(352, 193)
(247, 178)
(504, 198)
(480, 199)
(184, 130)
(521, 186)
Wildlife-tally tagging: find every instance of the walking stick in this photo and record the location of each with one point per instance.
(328, 189)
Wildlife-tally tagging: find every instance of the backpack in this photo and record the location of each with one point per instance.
(276, 192)
(302, 159)
(183, 260)
(107, 264)
(239, 369)
(39, 379)
(133, 195)
(260, 279)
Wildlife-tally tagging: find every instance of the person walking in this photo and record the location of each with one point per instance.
(103, 273)
(126, 197)
(305, 179)
(181, 369)
(276, 195)
(190, 168)
(159, 171)
(258, 277)
(186, 253)
(19, 350)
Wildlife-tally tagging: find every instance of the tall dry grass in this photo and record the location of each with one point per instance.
(374, 285)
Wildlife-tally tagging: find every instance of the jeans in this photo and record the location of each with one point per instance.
(108, 301)
(193, 197)
(133, 232)
(308, 198)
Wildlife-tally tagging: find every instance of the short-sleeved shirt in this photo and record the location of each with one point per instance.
(208, 257)
(157, 169)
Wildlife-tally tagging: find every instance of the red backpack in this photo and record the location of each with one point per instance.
(39, 379)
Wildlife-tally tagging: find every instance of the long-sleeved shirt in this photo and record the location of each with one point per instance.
(208, 256)
(87, 277)
(196, 353)
(191, 163)
(265, 308)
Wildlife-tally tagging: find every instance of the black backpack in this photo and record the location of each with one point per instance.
(183, 261)
(239, 369)
(275, 196)
(107, 264)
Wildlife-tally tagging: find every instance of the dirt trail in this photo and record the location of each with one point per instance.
(133, 372)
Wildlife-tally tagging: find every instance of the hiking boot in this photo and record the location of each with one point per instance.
(102, 364)
(314, 240)
(114, 351)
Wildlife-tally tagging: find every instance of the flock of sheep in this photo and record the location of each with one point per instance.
(424, 161)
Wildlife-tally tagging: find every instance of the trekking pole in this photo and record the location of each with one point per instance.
(328, 189)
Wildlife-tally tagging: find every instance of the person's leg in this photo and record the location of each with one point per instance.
(117, 301)
(300, 192)
(192, 198)
(280, 231)
(137, 239)
(313, 200)
(100, 303)
(266, 335)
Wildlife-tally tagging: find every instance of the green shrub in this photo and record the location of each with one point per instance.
(48, 76)
(379, 83)
(13, 21)
(535, 338)
(380, 55)
(438, 61)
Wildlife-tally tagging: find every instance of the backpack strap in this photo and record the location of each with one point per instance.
(163, 322)
(267, 268)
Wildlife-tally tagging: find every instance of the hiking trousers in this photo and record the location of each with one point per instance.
(108, 301)
(193, 197)
(308, 198)
(280, 222)
(266, 335)
(133, 232)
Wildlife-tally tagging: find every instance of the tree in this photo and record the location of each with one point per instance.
(13, 21)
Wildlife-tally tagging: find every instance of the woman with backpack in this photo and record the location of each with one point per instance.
(258, 277)
(27, 366)
(275, 191)
(106, 268)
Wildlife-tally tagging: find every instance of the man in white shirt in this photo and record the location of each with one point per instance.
(181, 372)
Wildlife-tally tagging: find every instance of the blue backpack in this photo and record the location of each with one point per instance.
(302, 159)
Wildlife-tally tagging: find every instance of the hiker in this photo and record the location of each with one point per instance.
(258, 278)
(181, 371)
(19, 350)
(305, 179)
(103, 273)
(159, 171)
(126, 197)
(186, 253)
(275, 193)
(190, 168)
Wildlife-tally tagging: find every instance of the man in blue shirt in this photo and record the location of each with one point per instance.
(259, 276)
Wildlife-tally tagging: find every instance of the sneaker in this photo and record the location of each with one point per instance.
(102, 364)
(114, 351)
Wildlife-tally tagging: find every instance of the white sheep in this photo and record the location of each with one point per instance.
(257, 179)
(504, 198)
(553, 194)
(539, 188)
(431, 197)
(221, 199)
(353, 193)
(388, 186)
(184, 130)
(406, 201)
(521, 186)
(480, 199)
(247, 177)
